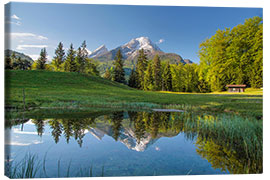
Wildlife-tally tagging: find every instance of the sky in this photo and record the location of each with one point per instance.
(175, 29)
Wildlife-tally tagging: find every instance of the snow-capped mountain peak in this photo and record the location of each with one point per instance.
(99, 51)
(131, 48)
(141, 43)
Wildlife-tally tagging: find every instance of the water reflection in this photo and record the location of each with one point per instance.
(222, 146)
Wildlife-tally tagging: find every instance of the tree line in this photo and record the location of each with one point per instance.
(155, 75)
(231, 56)
(72, 61)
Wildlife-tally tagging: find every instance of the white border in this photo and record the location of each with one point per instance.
(212, 3)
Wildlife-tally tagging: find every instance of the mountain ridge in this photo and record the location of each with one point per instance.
(130, 52)
(8, 52)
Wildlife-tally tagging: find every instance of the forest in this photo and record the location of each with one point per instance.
(231, 56)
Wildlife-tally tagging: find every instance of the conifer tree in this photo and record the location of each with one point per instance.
(166, 78)
(148, 78)
(42, 59)
(118, 71)
(59, 57)
(140, 68)
(84, 50)
(70, 64)
(79, 60)
(132, 82)
(157, 73)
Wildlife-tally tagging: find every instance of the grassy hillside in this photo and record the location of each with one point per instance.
(64, 89)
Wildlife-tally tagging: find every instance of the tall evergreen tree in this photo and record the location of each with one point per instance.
(42, 59)
(59, 57)
(132, 82)
(166, 78)
(84, 50)
(140, 68)
(148, 78)
(157, 73)
(79, 60)
(118, 71)
(70, 64)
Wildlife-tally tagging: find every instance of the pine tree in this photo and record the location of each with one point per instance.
(118, 71)
(79, 61)
(81, 58)
(157, 73)
(132, 82)
(84, 50)
(70, 64)
(42, 59)
(59, 57)
(166, 78)
(148, 78)
(140, 68)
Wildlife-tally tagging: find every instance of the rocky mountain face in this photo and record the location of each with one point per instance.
(131, 49)
(127, 136)
(9, 52)
(99, 51)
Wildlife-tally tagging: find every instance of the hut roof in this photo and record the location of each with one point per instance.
(236, 86)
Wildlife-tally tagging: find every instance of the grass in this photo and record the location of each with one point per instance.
(227, 142)
(72, 90)
(30, 167)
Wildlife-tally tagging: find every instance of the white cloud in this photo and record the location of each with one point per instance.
(17, 131)
(16, 143)
(14, 16)
(160, 41)
(23, 46)
(42, 38)
(14, 19)
(27, 35)
(18, 23)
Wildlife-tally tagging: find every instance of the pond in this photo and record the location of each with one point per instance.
(128, 143)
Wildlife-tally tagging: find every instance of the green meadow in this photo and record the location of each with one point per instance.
(55, 90)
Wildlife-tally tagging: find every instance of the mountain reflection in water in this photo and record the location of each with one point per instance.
(140, 130)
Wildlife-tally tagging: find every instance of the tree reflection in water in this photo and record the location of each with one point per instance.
(229, 143)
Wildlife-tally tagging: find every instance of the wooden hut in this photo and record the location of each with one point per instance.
(236, 88)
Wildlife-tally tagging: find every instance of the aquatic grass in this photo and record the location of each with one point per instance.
(239, 134)
(29, 167)
(26, 168)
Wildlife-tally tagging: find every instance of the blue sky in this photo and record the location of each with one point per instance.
(179, 30)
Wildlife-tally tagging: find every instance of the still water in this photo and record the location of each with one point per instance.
(120, 143)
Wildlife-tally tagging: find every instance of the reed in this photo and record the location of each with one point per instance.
(29, 167)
